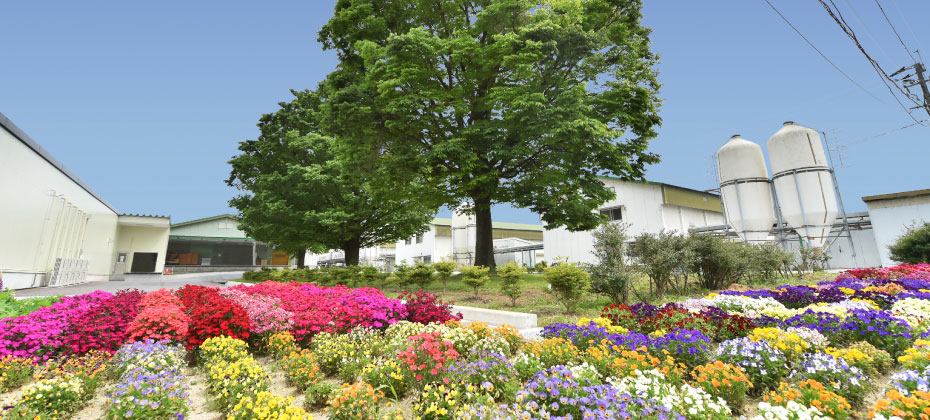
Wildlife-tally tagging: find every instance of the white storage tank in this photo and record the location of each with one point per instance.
(744, 189)
(803, 182)
(464, 232)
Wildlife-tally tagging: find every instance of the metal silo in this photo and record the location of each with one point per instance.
(745, 190)
(803, 182)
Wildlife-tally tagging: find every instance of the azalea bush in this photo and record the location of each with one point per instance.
(103, 326)
(161, 316)
(212, 315)
(426, 308)
(428, 356)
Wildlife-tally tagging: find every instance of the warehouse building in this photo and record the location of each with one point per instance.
(892, 214)
(216, 244)
(446, 239)
(647, 207)
(57, 231)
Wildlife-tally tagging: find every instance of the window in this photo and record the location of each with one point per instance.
(613, 214)
(419, 239)
(407, 241)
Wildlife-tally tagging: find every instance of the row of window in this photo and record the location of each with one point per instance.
(418, 238)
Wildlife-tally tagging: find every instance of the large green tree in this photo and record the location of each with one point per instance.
(302, 188)
(502, 101)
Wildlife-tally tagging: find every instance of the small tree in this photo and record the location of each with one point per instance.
(510, 281)
(475, 276)
(444, 270)
(913, 246)
(611, 276)
(421, 274)
(540, 266)
(401, 275)
(662, 256)
(569, 282)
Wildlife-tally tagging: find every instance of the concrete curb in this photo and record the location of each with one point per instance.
(519, 320)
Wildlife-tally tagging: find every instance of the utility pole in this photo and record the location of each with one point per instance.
(919, 69)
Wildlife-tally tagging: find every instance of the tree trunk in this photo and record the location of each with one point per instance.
(301, 259)
(484, 238)
(351, 249)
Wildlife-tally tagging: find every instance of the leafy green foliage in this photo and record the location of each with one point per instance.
(510, 281)
(304, 190)
(913, 246)
(421, 274)
(475, 276)
(500, 101)
(569, 282)
(444, 270)
(11, 307)
(661, 256)
(610, 275)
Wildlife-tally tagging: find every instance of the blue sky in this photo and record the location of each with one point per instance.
(146, 101)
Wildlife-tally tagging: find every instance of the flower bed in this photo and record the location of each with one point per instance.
(789, 352)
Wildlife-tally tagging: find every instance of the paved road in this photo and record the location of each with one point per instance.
(170, 282)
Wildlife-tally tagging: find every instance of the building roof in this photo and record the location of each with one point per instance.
(205, 219)
(445, 221)
(32, 144)
(894, 196)
(663, 184)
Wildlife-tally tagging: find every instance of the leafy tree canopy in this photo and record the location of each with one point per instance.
(502, 101)
(301, 188)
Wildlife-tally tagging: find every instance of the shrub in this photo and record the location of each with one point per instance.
(913, 246)
(358, 401)
(222, 349)
(569, 283)
(103, 326)
(878, 329)
(610, 275)
(686, 346)
(444, 270)
(716, 260)
(661, 256)
(475, 276)
(510, 281)
(161, 317)
(265, 313)
(11, 307)
(426, 308)
(212, 315)
(421, 274)
(540, 267)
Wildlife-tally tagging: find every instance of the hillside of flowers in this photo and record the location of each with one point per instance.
(853, 348)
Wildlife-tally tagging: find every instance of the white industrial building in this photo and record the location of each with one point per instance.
(892, 214)
(447, 239)
(55, 230)
(646, 207)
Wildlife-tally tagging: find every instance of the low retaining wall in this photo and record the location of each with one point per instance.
(520, 320)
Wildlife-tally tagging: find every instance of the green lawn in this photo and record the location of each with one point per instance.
(536, 298)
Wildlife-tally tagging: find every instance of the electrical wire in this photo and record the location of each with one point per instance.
(895, 30)
(820, 52)
(883, 75)
(868, 139)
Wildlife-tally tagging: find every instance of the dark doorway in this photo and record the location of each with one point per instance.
(143, 262)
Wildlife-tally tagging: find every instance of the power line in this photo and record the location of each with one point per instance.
(868, 139)
(821, 53)
(895, 30)
(841, 21)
